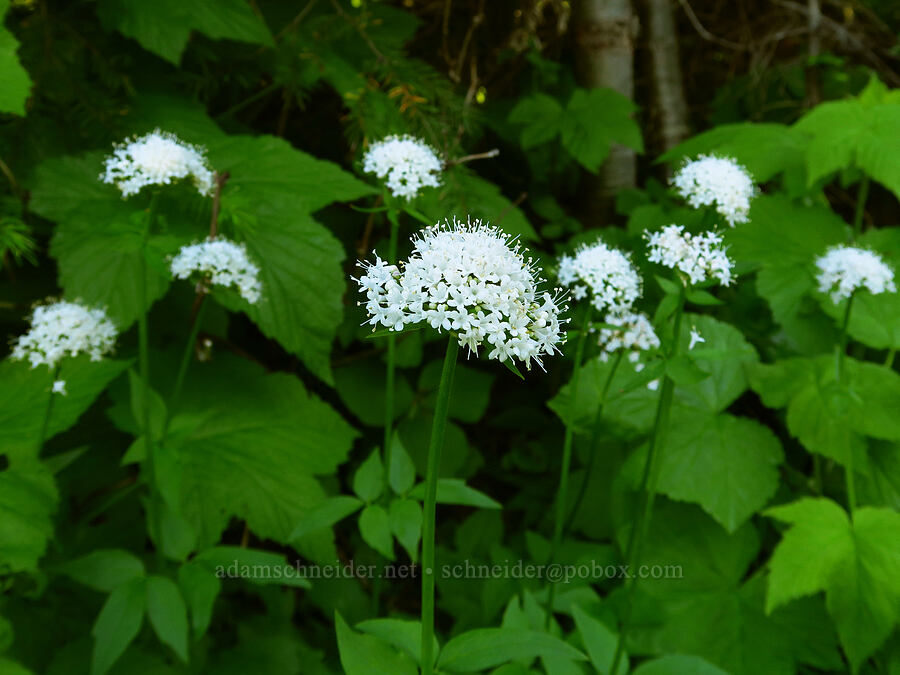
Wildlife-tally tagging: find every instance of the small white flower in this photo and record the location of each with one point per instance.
(633, 332)
(157, 158)
(59, 387)
(653, 385)
(223, 262)
(65, 329)
(471, 279)
(700, 257)
(409, 164)
(721, 181)
(695, 338)
(606, 274)
(843, 269)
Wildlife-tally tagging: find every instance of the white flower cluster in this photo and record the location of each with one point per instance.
(603, 272)
(65, 329)
(409, 164)
(157, 158)
(633, 332)
(467, 278)
(700, 257)
(224, 262)
(843, 269)
(721, 181)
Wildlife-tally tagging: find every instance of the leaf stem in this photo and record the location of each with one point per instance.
(428, 524)
(394, 218)
(649, 481)
(186, 358)
(861, 198)
(45, 425)
(839, 372)
(568, 438)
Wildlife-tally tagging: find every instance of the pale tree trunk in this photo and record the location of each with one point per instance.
(814, 19)
(605, 31)
(668, 85)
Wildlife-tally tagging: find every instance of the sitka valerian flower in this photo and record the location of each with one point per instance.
(719, 182)
(699, 257)
(844, 269)
(631, 331)
(695, 338)
(157, 158)
(65, 329)
(603, 274)
(408, 163)
(59, 387)
(220, 262)
(472, 280)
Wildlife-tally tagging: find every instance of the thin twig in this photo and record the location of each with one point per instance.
(705, 34)
(11, 177)
(472, 158)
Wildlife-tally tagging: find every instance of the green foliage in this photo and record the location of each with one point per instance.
(15, 83)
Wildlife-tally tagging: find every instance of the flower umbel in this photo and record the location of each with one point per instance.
(223, 262)
(604, 273)
(157, 158)
(700, 256)
(719, 181)
(409, 164)
(468, 278)
(843, 269)
(65, 329)
(632, 332)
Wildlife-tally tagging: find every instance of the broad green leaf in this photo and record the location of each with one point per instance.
(471, 390)
(326, 514)
(157, 413)
(25, 395)
(168, 614)
(252, 451)
(368, 655)
(164, 27)
(405, 635)
(375, 528)
(362, 388)
(540, 117)
(28, 500)
(455, 491)
(490, 647)
(368, 481)
(117, 624)
(880, 486)
(8, 667)
(594, 119)
(405, 517)
(15, 83)
(200, 589)
(856, 563)
(678, 664)
(104, 569)
(599, 641)
(253, 565)
(402, 472)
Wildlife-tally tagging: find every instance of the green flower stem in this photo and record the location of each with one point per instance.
(839, 377)
(595, 434)
(563, 488)
(186, 358)
(394, 218)
(649, 481)
(861, 198)
(889, 359)
(45, 425)
(428, 524)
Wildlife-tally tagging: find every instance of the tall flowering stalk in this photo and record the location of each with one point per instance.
(59, 330)
(607, 279)
(695, 259)
(154, 160)
(406, 164)
(471, 281)
(845, 271)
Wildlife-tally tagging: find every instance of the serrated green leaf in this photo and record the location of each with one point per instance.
(405, 517)
(368, 655)
(368, 481)
(28, 499)
(117, 624)
(540, 117)
(402, 472)
(405, 635)
(167, 614)
(678, 664)
(326, 514)
(455, 491)
(599, 641)
(594, 119)
(683, 371)
(200, 589)
(375, 528)
(104, 569)
(490, 647)
(15, 83)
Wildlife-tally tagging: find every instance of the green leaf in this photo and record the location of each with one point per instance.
(165, 26)
(15, 83)
(511, 367)
(490, 647)
(678, 664)
(455, 491)
(856, 563)
(326, 514)
(405, 516)
(684, 371)
(28, 500)
(157, 406)
(669, 287)
(362, 388)
(368, 481)
(705, 298)
(402, 472)
(540, 117)
(599, 641)
(375, 528)
(405, 635)
(367, 655)
(104, 569)
(471, 390)
(594, 119)
(168, 614)
(117, 624)
(200, 589)
(253, 565)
